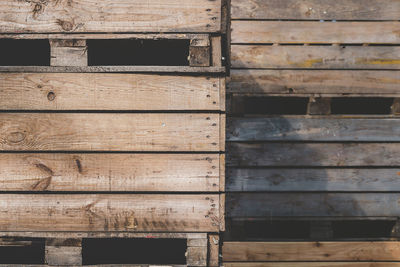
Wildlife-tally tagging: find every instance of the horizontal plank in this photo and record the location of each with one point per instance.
(110, 16)
(109, 132)
(110, 91)
(315, 57)
(311, 251)
(312, 264)
(290, 32)
(316, 9)
(262, 205)
(105, 212)
(313, 129)
(292, 82)
(109, 172)
(83, 234)
(313, 154)
(307, 179)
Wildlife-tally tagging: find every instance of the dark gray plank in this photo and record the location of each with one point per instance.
(312, 204)
(281, 179)
(313, 154)
(313, 129)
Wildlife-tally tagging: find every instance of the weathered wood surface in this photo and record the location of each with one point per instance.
(311, 251)
(64, 252)
(307, 179)
(104, 212)
(316, 9)
(109, 172)
(110, 16)
(68, 53)
(315, 57)
(289, 32)
(313, 154)
(314, 81)
(312, 264)
(109, 132)
(324, 129)
(262, 205)
(103, 234)
(109, 91)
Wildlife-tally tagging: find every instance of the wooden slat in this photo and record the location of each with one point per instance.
(314, 81)
(312, 264)
(311, 251)
(315, 57)
(315, 32)
(316, 9)
(109, 132)
(101, 91)
(109, 172)
(110, 16)
(98, 212)
(262, 205)
(306, 179)
(313, 154)
(299, 128)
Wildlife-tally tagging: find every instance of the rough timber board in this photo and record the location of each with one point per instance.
(105, 212)
(316, 9)
(110, 16)
(311, 251)
(111, 91)
(109, 172)
(290, 32)
(109, 132)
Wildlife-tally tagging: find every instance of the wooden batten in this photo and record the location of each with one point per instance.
(68, 52)
(63, 252)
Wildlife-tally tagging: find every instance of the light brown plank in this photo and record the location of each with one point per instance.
(314, 81)
(112, 91)
(213, 250)
(316, 9)
(110, 16)
(315, 57)
(315, 32)
(109, 172)
(98, 212)
(109, 132)
(311, 264)
(311, 251)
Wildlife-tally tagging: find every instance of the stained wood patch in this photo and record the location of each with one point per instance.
(110, 16)
(98, 212)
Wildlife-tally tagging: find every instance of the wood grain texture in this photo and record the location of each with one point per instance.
(315, 57)
(104, 212)
(102, 91)
(313, 154)
(311, 251)
(109, 172)
(110, 16)
(312, 264)
(316, 9)
(308, 179)
(302, 128)
(109, 132)
(315, 32)
(262, 205)
(291, 82)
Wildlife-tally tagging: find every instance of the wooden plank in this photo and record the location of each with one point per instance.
(105, 212)
(213, 250)
(312, 264)
(261, 205)
(68, 53)
(316, 9)
(315, 57)
(109, 132)
(307, 179)
(313, 154)
(311, 251)
(108, 91)
(322, 128)
(216, 47)
(196, 256)
(110, 172)
(292, 82)
(290, 32)
(111, 16)
(63, 252)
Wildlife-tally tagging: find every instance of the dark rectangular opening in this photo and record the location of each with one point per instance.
(361, 105)
(271, 105)
(22, 251)
(136, 52)
(14, 52)
(362, 229)
(134, 251)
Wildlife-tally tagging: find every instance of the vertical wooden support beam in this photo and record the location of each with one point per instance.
(396, 106)
(222, 174)
(63, 252)
(321, 230)
(222, 212)
(199, 52)
(213, 250)
(68, 52)
(319, 106)
(216, 51)
(196, 253)
(222, 93)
